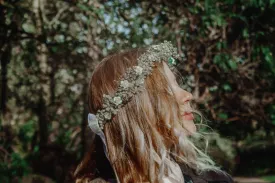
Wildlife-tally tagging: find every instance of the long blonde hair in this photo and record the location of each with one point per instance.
(140, 141)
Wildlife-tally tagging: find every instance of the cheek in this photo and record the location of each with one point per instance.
(189, 125)
(178, 94)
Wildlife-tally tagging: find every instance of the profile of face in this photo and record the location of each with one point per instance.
(183, 98)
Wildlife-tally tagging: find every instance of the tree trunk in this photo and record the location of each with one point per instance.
(42, 123)
(5, 53)
(5, 57)
(44, 68)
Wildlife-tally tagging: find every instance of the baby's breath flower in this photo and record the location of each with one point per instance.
(107, 115)
(125, 84)
(138, 70)
(117, 100)
(140, 81)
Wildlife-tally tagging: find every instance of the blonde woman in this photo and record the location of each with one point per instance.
(145, 120)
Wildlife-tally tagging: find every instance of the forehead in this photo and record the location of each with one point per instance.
(168, 71)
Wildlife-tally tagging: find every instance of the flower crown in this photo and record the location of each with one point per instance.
(132, 82)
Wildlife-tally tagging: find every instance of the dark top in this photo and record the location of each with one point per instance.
(105, 170)
(190, 176)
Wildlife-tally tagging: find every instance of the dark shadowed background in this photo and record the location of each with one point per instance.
(48, 49)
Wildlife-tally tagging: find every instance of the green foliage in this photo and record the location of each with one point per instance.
(16, 167)
(270, 178)
(229, 46)
(225, 61)
(226, 87)
(270, 109)
(64, 137)
(26, 131)
(269, 60)
(223, 116)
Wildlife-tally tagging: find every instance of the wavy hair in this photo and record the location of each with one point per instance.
(142, 142)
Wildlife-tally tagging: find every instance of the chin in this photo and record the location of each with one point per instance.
(190, 126)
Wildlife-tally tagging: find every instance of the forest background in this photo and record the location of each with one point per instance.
(49, 48)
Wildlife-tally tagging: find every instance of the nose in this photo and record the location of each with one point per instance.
(185, 97)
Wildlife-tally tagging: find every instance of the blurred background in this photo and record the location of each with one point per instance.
(49, 48)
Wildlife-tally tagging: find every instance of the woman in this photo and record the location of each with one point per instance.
(144, 119)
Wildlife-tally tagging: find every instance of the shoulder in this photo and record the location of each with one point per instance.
(217, 177)
(191, 176)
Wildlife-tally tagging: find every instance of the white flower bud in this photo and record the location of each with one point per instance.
(138, 70)
(140, 81)
(107, 115)
(124, 83)
(117, 100)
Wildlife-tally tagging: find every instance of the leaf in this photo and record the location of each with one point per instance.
(219, 45)
(245, 33)
(223, 116)
(83, 7)
(54, 49)
(226, 87)
(36, 149)
(29, 28)
(217, 59)
(271, 2)
(213, 88)
(232, 64)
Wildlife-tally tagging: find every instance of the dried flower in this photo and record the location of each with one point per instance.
(124, 83)
(138, 70)
(140, 81)
(117, 100)
(107, 115)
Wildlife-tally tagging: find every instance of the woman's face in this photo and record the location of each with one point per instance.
(183, 98)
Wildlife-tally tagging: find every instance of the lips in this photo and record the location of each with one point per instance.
(188, 116)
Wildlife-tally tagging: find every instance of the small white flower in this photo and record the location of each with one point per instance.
(107, 115)
(140, 81)
(117, 100)
(125, 83)
(155, 47)
(150, 57)
(138, 70)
